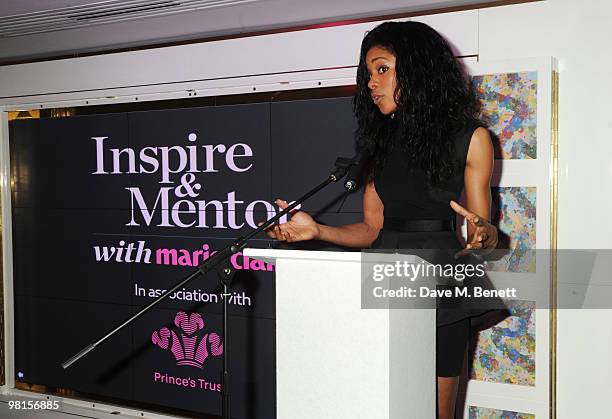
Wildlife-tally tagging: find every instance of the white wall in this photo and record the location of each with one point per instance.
(206, 65)
(578, 33)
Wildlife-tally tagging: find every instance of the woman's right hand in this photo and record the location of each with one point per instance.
(300, 227)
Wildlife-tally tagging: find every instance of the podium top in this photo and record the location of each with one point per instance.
(271, 255)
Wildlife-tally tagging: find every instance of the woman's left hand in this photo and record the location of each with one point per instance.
(484, 239)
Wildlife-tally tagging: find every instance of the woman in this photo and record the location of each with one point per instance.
(417, 117)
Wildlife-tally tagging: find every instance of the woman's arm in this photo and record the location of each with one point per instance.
(477, 177)
(477, 181)
(361, 235)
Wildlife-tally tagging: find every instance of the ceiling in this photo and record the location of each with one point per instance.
(38, 29)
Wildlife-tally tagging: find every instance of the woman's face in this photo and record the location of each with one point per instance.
(381, 67)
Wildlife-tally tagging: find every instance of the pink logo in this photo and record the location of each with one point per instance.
(190, 348)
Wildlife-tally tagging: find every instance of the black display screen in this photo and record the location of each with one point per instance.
(110, 210)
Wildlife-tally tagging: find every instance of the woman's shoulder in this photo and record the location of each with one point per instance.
(464, 133)
(467, 128)
(480, 147)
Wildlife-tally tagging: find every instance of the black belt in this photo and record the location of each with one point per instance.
(399, 224)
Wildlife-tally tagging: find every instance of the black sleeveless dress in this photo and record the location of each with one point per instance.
(408, 199)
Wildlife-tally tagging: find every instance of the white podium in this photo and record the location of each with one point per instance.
(337, 360)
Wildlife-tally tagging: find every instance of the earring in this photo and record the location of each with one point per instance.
(393, 115)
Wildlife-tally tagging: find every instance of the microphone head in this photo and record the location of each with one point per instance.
(351, 185)
(354, 176)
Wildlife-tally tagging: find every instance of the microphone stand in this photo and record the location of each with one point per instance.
(220, 262)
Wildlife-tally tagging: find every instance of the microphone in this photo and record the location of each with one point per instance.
(355, 176)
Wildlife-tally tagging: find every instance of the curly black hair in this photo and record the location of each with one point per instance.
(435, 99)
